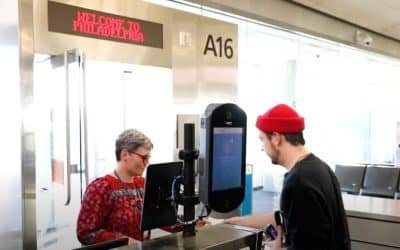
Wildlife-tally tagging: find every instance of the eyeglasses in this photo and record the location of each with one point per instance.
(145, 158)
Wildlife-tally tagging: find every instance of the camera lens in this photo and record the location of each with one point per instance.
(228, 115)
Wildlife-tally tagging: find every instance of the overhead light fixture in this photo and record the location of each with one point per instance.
(363, 38)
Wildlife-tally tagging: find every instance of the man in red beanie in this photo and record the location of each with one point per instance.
(312, 211)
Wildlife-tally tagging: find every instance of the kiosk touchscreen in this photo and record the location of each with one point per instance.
(222, 157)
(158, 210)
(227, 158)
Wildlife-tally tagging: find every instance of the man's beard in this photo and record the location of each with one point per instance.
(274, 155)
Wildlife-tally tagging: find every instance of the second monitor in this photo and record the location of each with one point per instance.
(158, 208)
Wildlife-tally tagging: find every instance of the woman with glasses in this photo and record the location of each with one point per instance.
(112, 204)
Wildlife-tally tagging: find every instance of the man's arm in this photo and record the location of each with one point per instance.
(259, 221)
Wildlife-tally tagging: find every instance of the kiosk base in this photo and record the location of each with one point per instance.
(220, 237)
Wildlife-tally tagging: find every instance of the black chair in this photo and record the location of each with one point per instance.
(381, 181)
(106, 245)
(398, 186)
(350, 177)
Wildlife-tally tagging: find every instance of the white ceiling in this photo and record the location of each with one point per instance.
(381, 16)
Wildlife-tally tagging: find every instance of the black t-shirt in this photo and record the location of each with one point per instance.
(312, 207)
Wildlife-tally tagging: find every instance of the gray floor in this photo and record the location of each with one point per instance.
(10, 240)
(264, 202)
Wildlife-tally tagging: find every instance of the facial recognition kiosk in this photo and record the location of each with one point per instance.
(222, 170)
(222, 167)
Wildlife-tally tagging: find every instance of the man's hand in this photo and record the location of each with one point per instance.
(234, 220)
(277, 243)
(256, 221)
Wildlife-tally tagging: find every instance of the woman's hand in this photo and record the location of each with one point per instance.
(203, 222)
(132, 240)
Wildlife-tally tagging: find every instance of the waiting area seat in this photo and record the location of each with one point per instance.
(350, 177)
(106, 245)
(381, 181)
(398, 189)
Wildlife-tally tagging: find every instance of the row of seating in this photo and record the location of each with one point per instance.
(371, 180)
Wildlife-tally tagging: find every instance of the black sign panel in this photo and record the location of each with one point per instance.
(74, 20)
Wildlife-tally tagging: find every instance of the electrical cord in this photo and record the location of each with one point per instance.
(175, 205)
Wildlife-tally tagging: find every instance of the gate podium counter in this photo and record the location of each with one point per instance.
(221, 236)
(374, 223)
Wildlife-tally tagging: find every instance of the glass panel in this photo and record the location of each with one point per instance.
(127, 95)
(149, 108)
(105, 108)
(10, 172)
(266, 77)
(351, 118)
(58, 135)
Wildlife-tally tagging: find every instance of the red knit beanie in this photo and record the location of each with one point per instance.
(282, 119)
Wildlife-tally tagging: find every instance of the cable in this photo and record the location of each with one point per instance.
(174, 204)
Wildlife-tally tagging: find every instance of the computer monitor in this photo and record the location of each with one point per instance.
(158, 209)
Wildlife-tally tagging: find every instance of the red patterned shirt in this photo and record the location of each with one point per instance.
(111, 209)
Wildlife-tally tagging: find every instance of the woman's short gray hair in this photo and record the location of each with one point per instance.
(131, 139)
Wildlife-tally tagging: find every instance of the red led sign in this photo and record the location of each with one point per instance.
(84, 22)
(106, 26)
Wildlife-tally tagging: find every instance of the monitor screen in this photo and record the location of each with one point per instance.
(227, 158)
(158, 210)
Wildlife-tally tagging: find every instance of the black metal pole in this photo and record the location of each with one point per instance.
(188, 179)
